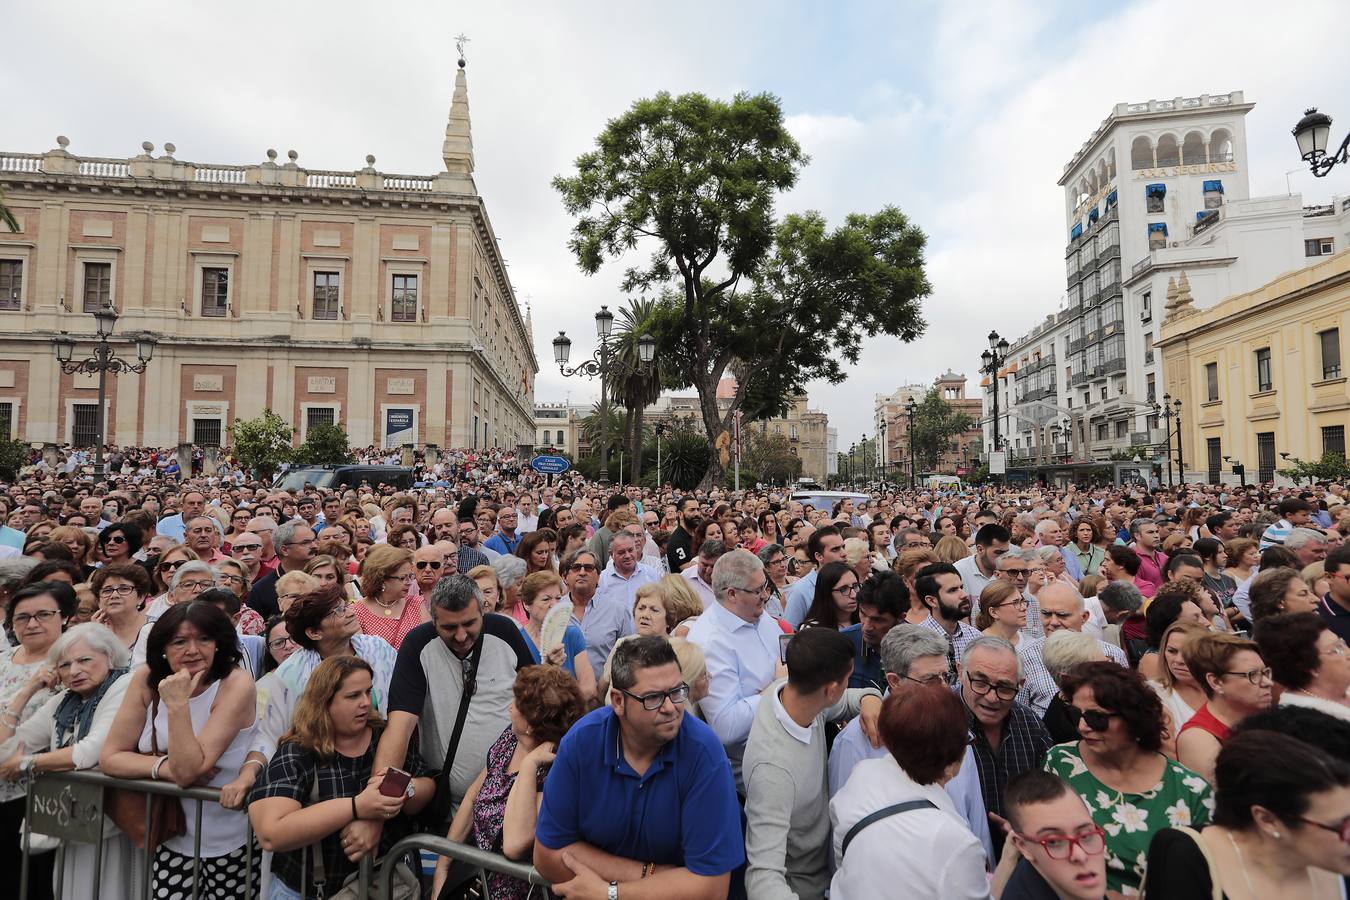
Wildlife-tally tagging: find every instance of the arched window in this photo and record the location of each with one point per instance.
(1169, 154)
(1193, 149)
(1111, 165)
(1221, 146)
(1141, 153)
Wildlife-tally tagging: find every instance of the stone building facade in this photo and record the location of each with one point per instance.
(379, 302)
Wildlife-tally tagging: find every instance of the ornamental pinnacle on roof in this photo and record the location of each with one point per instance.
(457, 151)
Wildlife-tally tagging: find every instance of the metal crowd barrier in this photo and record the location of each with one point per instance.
(198, 795)
(482, 860)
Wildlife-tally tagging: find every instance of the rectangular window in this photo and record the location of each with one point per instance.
(405, 299)
(1123, 428)
(1333, 439)
(320, 415)
(1150, 388)
(1214, 456)
(97, 286)
(84, 424)
(1146, 306)
(1156, 203)
(1319, 247)
(1265, 456)
(1331, 352)
(1212, 381)
(11, 283)
(215, 291)
(325, 295)
(206, 432)
(1101, 431)
(1263, 379)
(7, 421)
(1152, 421)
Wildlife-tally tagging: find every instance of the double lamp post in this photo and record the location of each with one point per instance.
(101, 363)
(601, 364)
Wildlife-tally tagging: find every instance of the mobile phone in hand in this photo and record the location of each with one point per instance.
(783, 641)
(395, 783)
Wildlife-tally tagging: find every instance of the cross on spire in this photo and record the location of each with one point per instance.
(460, 40)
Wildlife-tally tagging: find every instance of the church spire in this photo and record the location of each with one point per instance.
(457, 151)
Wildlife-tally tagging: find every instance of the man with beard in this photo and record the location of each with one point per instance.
(680, 548)
(939, 586)
(640, 795)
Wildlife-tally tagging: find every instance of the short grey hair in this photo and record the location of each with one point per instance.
(712, 549)
(1045, 554)
(1013, 554)
(509, 569)
(768, 550)
(993, 644)
(100, 639)
(622, 535)
(1302, 536)
(1120, 596)
(1044, 525)
(14, 572)
(454, 593)
(285, 531)
(1136, 524)
(906, 644)
(193, 567)
(734, 569)
(1065, 649)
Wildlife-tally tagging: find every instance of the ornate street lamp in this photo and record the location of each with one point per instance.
(600, 364)
(101, 363)
(1238, 469)
(1312, 133)
(993, 360)
(911, 410)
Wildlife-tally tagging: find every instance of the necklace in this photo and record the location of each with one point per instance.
(387, 608)
(1247, 876)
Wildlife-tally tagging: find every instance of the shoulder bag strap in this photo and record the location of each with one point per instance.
(316, 849)
(883, 813)
(470, 683)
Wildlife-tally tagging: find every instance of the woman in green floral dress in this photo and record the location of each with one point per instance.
(1117, 767)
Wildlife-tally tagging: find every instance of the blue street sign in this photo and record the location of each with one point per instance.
(550, 465)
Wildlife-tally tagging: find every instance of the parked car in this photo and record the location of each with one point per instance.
(343, 477)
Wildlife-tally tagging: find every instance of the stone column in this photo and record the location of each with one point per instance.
(211, 460)
(185, 461)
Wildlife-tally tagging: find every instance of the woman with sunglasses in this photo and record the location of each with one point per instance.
(122, 589)
(1281, 827)
(387, 609)
(118, 543)
(835, 604)
(1236, 682)
(170, 561)
(1117, 767)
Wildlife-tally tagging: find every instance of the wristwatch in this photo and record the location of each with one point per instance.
(26, 764)
(613, 891)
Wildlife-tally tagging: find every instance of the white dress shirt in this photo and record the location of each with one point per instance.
(742, 660)
(613, 586)
(930, 852)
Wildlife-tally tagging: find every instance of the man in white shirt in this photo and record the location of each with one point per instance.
(740, 644)
(1061, 608)
(700, 574)
(624, 574)
(527, 519)
(981, 567)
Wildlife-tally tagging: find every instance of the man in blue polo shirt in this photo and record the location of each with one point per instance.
(640, 801)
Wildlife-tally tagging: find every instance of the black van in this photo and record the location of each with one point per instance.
(343, 477)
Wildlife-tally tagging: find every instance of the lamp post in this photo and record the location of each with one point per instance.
(101, 363)
(599, 364)
(660, 430)
(911, 410)
(1181, 454)
(1169, 409)
(1238, 469)
(852, 466)
(993, 360)
(1311, 134)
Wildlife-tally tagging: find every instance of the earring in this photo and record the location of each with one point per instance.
(1275, 834)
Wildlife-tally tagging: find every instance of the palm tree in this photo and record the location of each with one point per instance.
(590, 427)
(630, 385)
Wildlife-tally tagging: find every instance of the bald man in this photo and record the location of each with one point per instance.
(1062, 608)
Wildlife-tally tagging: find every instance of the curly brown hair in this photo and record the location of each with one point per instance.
(548, 698)
(132, 572)
(1124, 692)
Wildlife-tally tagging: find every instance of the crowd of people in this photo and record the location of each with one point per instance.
(984, 691)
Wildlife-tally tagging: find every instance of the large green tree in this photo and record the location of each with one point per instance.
(695, 180)
(767, 456)
(936, 422)
(263, 444)
(325, 445)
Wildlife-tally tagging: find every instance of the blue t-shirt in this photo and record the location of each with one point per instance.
(574, 642)
(682, 812)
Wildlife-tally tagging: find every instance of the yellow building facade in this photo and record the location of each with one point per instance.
(1260, 375)
(379, 302)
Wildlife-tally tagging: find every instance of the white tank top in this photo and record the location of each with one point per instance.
(223, 830)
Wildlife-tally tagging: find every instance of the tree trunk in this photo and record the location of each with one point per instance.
(714, 424)
(626, 441)
(636, 445)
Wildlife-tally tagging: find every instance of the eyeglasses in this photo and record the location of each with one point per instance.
(239, 548)
(930, 680)
(231, 579)
(423, 563)
(339, 609)
(1021, 603)
(196, 585)
(657, 699)
(173, 566)
(1337, 649)
(1019, 574)
(305, 543)
(757, 591)
(1091, 841)
(1255, 676)
(1342, 830)
(848, 589)
(1096, 719)
(1003, 691)
(115, 539)
(118, 590)
(289, 598)
(582, 567)
(44, 616)
(279, 643)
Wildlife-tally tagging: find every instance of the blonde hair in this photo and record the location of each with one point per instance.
(854, 550)
(680, 598)
(621, 518)
(693, 665)
(654, 589)
(951, 548)
(311, 724)
(1190, 630)
(1065, 649)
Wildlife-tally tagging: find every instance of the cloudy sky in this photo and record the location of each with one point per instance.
(961, 113)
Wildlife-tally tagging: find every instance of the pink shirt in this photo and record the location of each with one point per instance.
(1151, 568)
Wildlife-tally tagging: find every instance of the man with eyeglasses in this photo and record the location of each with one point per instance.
(428, 562)
(1009, 736)
(640, 800)
(1015, 567)
(603, 620)
(1061, 850)
(915, 654)
(296, 545)
(981, 567)
(1061, 609)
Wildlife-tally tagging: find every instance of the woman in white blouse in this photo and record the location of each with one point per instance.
(67, 732)
(894, 825)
